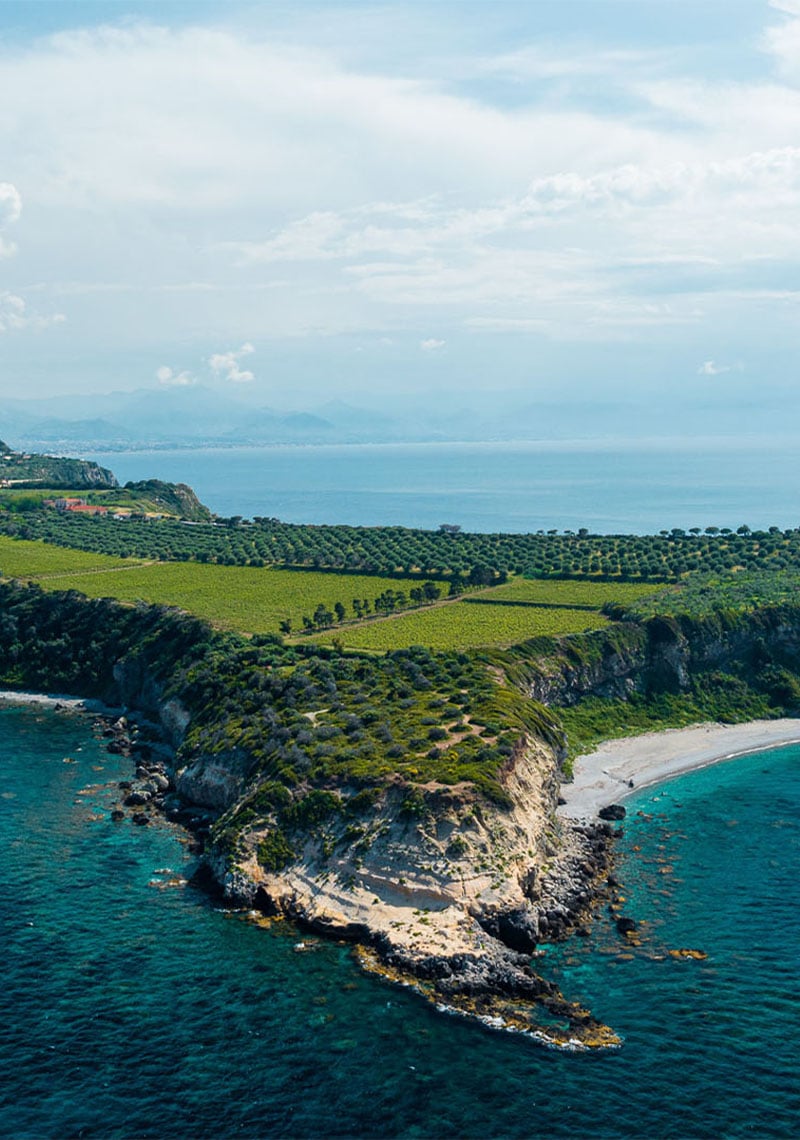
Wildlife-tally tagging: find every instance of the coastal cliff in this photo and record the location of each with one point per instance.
(448, 864)
(660, 655)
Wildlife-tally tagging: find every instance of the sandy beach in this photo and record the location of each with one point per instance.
(52, 700)
(620, 767)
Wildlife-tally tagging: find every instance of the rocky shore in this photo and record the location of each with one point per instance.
(454, 900)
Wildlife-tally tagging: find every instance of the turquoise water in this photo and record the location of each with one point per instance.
(624, 487)
(130, 1010)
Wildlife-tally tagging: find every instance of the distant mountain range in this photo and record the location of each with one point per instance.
(188, 417)
(197, 416)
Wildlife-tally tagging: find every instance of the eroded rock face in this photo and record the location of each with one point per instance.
(457, 896)
(659, 655)
(215, 782)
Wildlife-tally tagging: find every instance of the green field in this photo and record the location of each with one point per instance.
(569, 593)
(461, 625)
(20, 559)
(256, 600)
(246, 598)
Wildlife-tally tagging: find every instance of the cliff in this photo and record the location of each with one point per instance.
(661, 655)
(20, 469)
(173, 498)
(449, 866)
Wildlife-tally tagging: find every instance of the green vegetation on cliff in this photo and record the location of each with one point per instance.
(703, 594)
(19, 468)
(301, 714)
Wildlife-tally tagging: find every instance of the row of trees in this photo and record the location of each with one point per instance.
(387, 602)
(449, 555)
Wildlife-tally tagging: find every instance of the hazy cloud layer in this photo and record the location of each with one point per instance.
(229, 182)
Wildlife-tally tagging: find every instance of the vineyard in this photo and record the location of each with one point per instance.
(264, 600)
(248, 599)
(34, 559)
(568, 592)
(460, 625)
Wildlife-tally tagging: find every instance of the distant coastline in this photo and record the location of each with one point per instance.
(609, 485)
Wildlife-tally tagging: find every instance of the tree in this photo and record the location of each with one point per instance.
(339, 610)
(286, 626)
(481, 575)
(322, 615)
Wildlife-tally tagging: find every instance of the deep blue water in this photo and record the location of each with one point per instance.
(133, 1011)
(610, 487)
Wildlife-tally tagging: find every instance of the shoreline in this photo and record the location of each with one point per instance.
(621, 767)
(58, 701)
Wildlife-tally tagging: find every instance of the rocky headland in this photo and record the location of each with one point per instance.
(451, 886)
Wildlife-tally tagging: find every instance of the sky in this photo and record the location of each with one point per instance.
(404, 202)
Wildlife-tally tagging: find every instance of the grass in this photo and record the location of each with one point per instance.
(256, 600)
(461, 625)
(245, 598)
(21, 559)
(565, 593)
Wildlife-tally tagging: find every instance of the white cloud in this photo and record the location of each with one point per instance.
(10, 210)
(711, 368)
(431, 344)
(15, 315)
(169, 378)
(792, 7)
(278, 189)
(225, 365)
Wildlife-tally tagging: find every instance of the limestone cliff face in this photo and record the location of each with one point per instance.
(593, 664)
(453, 891)
(663, 653)
(434, 880)
(136, 687)
(214, 781)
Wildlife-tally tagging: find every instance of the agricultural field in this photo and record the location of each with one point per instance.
(259, 599)
(551, 592)
(462, 625)
(245, 598)
(21, 559)
(468, 559)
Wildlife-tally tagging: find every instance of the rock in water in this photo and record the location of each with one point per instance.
(613, 811)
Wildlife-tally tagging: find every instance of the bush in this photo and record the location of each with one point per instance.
(274, 851)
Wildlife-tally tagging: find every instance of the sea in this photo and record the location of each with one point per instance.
(134, 1005)
(624, 486)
